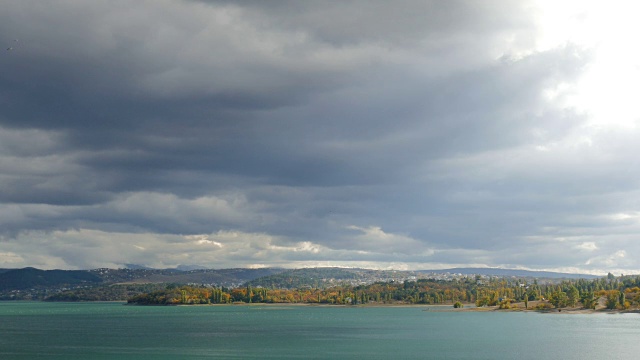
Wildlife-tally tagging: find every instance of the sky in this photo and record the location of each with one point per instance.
(375, 134)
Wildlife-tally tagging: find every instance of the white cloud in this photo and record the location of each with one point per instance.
(9, 259)
(618, 259)
(587, 246)
(203, 239)
(625, 216)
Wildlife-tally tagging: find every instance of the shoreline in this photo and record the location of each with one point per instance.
(425, 307)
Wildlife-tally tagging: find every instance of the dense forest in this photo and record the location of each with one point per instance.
(616, 293)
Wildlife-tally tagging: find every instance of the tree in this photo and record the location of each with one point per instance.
(613, 299)
(458, 305)
(482, 301)
(559, 299)
(589, 301)
(573, 295)
(505, 304)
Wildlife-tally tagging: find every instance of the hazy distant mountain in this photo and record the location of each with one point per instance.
(190, 267)
(137, 267)
(511, 272)
(179, 267)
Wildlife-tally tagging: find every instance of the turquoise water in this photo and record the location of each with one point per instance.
(34, 330)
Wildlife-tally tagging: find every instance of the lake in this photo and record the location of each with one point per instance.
(38, 330)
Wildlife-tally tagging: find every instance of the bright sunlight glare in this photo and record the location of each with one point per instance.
(606, 92)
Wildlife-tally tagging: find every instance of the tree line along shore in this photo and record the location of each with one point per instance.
(612, 293)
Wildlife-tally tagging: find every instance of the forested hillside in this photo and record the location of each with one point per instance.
(18, 279)
(103, 284)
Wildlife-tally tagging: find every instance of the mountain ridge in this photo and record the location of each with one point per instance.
(513, 272)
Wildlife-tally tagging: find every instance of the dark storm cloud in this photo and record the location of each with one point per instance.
(95, 84)
(352, 132)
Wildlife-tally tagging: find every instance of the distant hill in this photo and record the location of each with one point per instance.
(31, 278)
(218, 277)
(19, 279)
(137, 267)
(190, 267)
(511, 272)
(327, 277)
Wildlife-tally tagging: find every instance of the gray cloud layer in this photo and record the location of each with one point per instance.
(355, 133)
